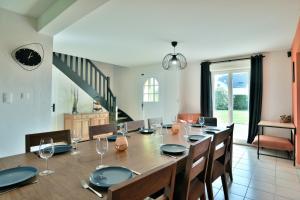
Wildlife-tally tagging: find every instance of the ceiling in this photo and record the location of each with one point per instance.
(30, 8)
(138, 32)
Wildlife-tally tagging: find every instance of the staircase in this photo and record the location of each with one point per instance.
(88, 77)
(123, 117)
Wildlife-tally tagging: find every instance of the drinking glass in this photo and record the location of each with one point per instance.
(123, 128)
(201, 121)
(157, 129)
(76, 137)
(101, 148)
(46, 151)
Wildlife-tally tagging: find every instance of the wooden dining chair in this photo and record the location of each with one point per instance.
(34, 139)
(152, 121)
(217, 162)
(135, 125)
(142, 186)
(229, 153)
(192, 187)
(101, 129)
(210, 121)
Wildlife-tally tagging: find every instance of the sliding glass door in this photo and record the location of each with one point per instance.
(231, 100)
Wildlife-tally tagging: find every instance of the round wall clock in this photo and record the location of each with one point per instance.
(29, 56)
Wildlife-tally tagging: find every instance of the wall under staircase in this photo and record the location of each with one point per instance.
(84, 73)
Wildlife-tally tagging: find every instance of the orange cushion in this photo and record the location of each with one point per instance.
(272, 142)
(188, 116)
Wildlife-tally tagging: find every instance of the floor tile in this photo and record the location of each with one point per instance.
(237, 189)
(220, 196)
(287, 193)
(241, 180)
(259, 195)
(263, 186)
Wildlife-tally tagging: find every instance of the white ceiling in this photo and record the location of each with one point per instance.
(139, 32)
(30, 8)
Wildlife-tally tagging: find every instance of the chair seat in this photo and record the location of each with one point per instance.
(272, 142)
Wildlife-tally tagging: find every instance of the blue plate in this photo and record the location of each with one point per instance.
(12, 176)
(108, 176)
(173, 148)
(211, 130)
(112, 138)
(147, 131)
(62, 148)
(195, 138)
(167, 126)
(197, 125)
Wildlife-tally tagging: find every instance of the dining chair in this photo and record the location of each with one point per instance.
(210, 121)
(34, 139)
(192, 186)
(142, 186)
(229, 153)
(217, 162)
(135, 125)
(153, 121)
(101, 129)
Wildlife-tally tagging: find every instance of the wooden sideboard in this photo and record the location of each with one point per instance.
(81, 122)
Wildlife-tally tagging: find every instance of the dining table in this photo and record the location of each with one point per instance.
(142, 155)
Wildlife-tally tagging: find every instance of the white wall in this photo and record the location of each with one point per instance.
(33, 114)
(277, 88)
(129, 89)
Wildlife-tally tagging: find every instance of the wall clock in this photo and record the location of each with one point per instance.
(29, 56)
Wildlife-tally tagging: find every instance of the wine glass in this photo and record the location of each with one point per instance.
(157, 128)
(76, 137)
(123, 128)
(201, 121)
(101, 148)
(46, 150)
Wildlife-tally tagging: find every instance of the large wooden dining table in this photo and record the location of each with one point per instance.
(142, 155)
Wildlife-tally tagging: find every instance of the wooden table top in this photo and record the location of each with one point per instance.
(142, 155)
(276, 124)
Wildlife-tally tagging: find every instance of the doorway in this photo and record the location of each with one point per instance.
(231, 100)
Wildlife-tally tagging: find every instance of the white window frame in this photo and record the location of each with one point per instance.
(153, 93)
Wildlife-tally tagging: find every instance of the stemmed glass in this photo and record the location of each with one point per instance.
(201, 121)
(76, 137)
(101, 148)
(123, 128)
(46, 151)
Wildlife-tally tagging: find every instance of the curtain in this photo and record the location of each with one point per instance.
(206, 91)
(255, 98)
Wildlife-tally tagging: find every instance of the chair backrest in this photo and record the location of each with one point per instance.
(210, 121)
(196, 165)
(101, 129)
(188, 116)
(32, 140)
(144, 185)
(230, 147)
(135, 125)
(218, 151)
(152, 121)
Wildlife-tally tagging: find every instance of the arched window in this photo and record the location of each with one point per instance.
(151, 90)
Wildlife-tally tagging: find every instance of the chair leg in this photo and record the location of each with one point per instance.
(229, 170)
(210, 192)
(225, 188)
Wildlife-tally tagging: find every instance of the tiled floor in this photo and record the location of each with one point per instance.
(264, 179)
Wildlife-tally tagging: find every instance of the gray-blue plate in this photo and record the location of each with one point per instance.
(173, 148)
(61, 148)
(167, 126)
(12, 176)
(147, 131)
(197, 125)
(194, 138)
(108, 176)
(112, 138)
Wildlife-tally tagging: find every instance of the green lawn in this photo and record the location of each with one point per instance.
(239, 116)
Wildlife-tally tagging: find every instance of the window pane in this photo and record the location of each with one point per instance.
(145, 97)
(155, 82)
(150, 97)
(147, 82)
(151, 89)
(146, 89)
(156, 98)
(156, 89)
